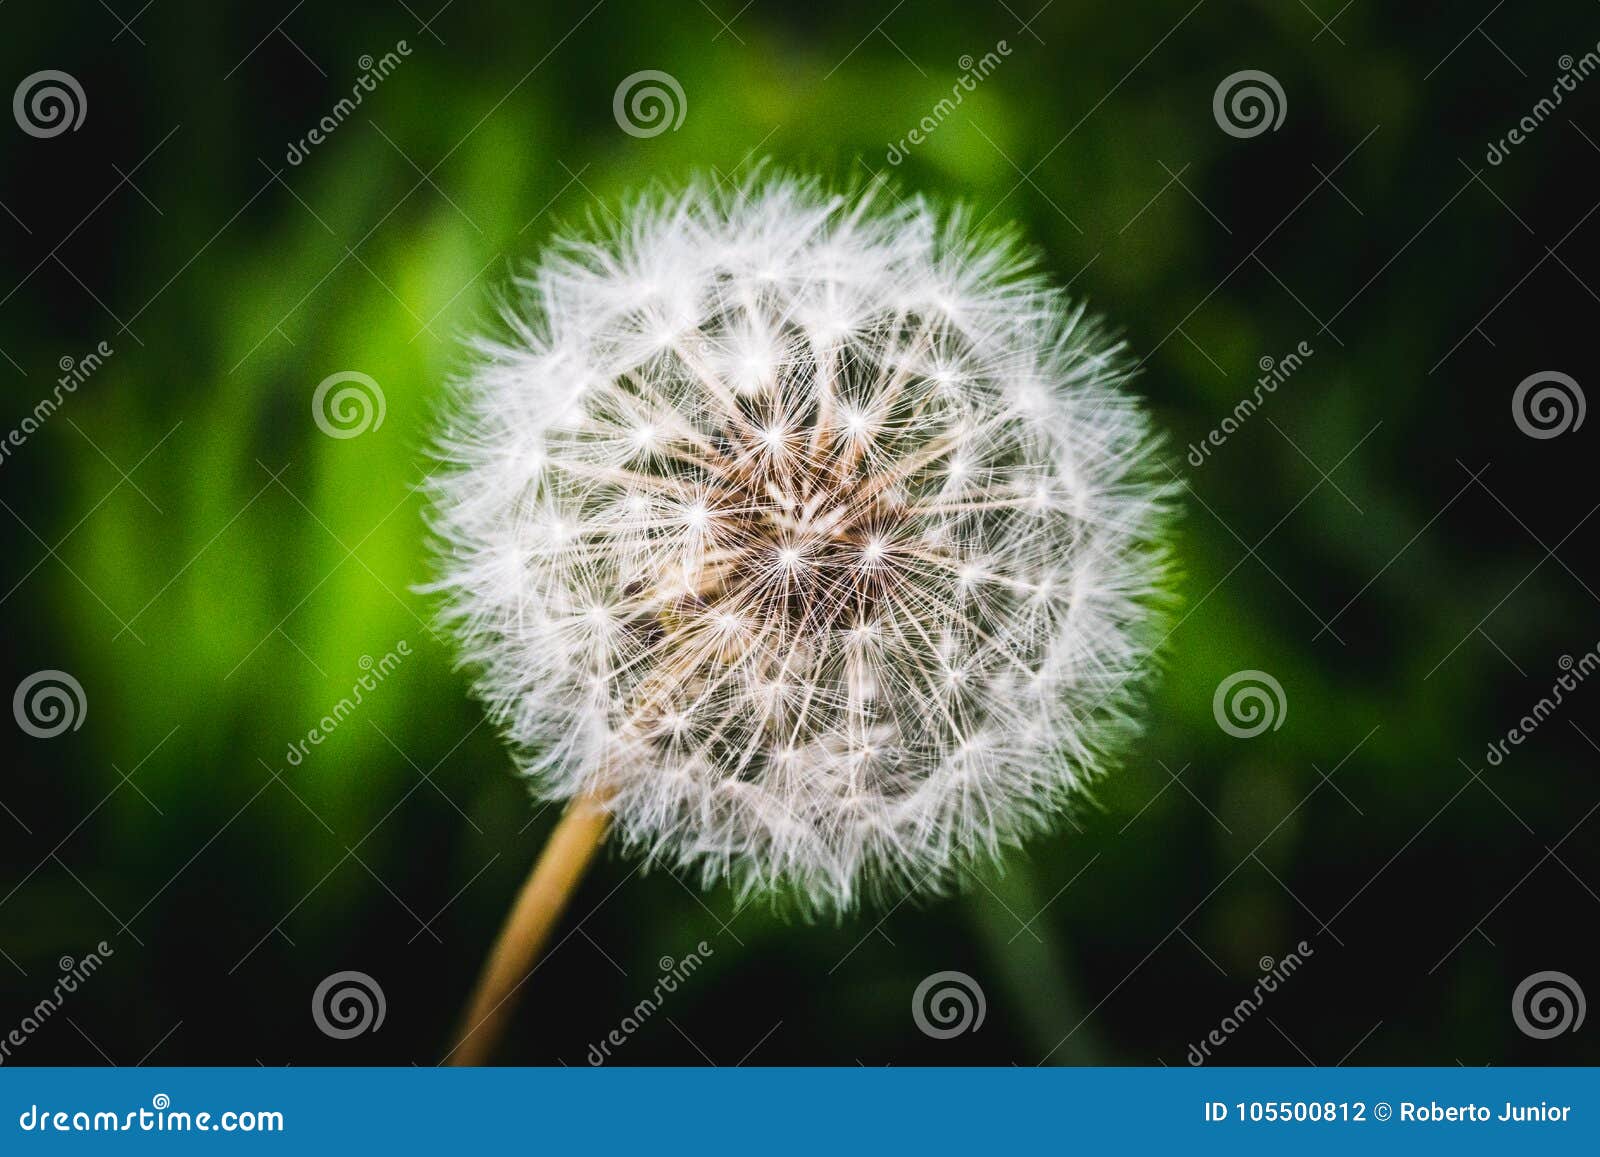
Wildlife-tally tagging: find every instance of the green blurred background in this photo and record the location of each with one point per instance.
(1381, 537)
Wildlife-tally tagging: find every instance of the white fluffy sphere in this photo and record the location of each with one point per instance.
(812, 531)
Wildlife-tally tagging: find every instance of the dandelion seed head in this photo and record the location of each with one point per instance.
(814, 531)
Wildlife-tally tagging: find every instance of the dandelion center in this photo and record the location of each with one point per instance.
(828, 519)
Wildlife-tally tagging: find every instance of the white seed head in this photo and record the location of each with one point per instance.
(812, 530)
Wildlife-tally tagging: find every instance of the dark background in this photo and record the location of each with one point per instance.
(1381, 537)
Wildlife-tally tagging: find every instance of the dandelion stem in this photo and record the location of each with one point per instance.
(543, 898)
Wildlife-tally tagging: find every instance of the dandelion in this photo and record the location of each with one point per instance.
(800, 540)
